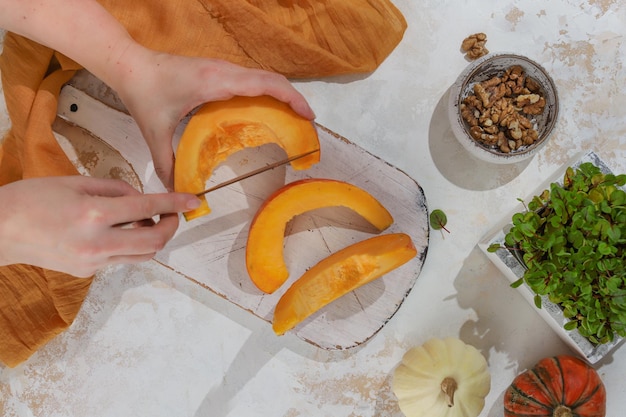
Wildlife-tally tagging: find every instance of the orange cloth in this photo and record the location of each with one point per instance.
(303, 38)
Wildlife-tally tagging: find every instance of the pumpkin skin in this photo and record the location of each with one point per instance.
(264, 250)
(423, 380)
(339, 274)
(559, 386)
(221, 128)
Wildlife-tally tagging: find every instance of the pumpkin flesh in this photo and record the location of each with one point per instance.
(219, 129)
(264, 250)
(339, 274)
(560, 386)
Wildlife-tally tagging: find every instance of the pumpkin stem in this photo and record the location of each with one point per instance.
(562, 411)
(449, 386)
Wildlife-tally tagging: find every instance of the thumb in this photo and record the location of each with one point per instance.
(164, 166)
(157, 126)
(160, 145)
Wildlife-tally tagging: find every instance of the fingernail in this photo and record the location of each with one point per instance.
(194, 203)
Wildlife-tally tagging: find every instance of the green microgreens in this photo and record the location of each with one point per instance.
(572, 239)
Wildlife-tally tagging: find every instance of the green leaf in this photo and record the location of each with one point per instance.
(614, 233)
(536, 203)
(569, 312)
(559, 209)
(605, 207)
(518, 218)
(570, 325)
(555, 221)
(509, 240)
(618, 197)
(597, 179)
(527, 229)
(518, 236)
(570, 277)
(606, 249)
(438, 220)
(537, 300)
(568, 178)
(576, 238)
(517, 283)
(494, 247)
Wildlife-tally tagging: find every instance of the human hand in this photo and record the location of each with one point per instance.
(160, 89)
(78, 224)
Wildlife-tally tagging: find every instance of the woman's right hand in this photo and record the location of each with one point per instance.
(79, 224)
(159, 89)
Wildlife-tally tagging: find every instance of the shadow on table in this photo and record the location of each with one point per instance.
(217, 402)
(502, 323)
(457, 165)
(262, 344)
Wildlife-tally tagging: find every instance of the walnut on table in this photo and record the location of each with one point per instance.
(474, 46)
(497, 110)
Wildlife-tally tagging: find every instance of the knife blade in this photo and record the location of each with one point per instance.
(256, 172)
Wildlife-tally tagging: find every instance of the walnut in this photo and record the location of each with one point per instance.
(467, 113)
(535, 108)
(503, 144)
(533, 86)
(530, 136)
(498, 108)
(476, 132)
(526, 99)
(492, 82)
(474, 46)
(506, 112)
(515, 130)
(489, 92)
(492, 130)
(474, 104)
(524, 122)
(514, 72)
(482, 94)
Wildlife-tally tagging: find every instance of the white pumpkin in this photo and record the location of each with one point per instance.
(442, 378)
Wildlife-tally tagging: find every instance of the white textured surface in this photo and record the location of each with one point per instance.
(150, 343)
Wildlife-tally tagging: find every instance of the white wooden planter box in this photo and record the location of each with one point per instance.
(513, 270)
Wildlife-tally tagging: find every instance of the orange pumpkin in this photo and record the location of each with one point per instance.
(339, 274)
(560, 386)
(219, 129)
(264, 249)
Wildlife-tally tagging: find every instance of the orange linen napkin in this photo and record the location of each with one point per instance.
(304, 38)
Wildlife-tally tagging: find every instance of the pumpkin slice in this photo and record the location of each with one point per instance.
(340, 273)
(221, 128)
(264, 249)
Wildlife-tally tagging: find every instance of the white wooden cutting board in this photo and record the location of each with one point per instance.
(211, 250)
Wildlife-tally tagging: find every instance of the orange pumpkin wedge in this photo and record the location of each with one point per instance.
(219, 129)
(264, 249)
(339, 274)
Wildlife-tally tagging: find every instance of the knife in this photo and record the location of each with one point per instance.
(256, 172)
